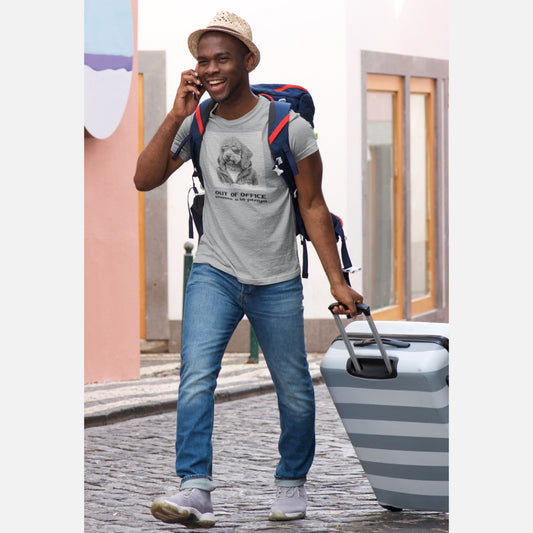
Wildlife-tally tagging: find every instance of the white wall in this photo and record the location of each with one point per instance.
(305, 44)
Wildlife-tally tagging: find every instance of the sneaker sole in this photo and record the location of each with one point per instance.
(280, 515)
(174, 514)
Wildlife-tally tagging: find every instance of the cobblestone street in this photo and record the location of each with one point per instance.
(129, 463)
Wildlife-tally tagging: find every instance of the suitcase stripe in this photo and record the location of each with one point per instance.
(420, 473)
(402, 457)
(347, 395)
(409, 486)
(431, 354)
(408, 501)
(400, 429)
(386, 442)
(431, 381)
(400, 413)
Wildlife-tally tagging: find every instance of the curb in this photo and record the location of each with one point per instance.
(166, 406)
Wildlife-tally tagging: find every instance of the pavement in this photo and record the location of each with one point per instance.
(157, 389)
(129, 457)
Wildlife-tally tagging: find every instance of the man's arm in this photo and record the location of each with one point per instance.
(317, 220)
(155, 163)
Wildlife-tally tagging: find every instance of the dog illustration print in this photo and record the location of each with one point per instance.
(235, 163)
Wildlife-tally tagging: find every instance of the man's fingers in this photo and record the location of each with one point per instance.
(343, 309)
(190, 77)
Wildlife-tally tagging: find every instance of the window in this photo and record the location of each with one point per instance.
(405, 191)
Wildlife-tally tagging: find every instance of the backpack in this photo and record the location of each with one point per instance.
(282, 98)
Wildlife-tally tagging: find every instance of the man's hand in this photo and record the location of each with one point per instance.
(348, 298)
(189, 92)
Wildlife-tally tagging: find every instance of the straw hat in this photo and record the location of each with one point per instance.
(231, 24)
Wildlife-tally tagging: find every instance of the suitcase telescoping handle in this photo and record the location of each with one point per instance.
(365, 309)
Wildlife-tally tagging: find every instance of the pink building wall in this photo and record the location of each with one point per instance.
(112, 331)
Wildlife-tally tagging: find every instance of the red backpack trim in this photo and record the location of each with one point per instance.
(285, 87)
(280, 126)
(199, 120)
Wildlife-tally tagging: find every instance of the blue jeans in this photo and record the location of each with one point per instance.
(215, 302)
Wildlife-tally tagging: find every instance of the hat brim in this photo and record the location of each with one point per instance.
(196, 36)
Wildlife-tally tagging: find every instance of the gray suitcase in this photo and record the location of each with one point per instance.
(393, 403)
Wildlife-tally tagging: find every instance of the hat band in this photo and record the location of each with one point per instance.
(224, 28)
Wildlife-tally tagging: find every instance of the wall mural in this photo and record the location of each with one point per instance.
(108, 64)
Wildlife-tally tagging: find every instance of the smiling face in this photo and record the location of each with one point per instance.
(224, 63)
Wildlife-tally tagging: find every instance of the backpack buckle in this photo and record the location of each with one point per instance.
(352, 270)
(276, 168)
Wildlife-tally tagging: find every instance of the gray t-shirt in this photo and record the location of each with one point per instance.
(248, 219)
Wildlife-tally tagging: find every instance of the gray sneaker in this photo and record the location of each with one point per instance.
(290, 504)
(188, 506)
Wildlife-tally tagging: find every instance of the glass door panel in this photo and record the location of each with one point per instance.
(380, 161)
(422, 201)
(419, 198)
(384, 264)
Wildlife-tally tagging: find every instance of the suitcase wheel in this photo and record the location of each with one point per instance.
(391, 508)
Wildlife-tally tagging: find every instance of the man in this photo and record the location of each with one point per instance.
(246, 264)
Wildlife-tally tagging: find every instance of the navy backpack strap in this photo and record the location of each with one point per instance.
(278, 139)
(192, 221)
(182, 144)
(285, 164)
(345, 257)
(196, 213)
(305, 260)
(198, 124)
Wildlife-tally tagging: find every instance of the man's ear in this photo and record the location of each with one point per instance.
(249, 61)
